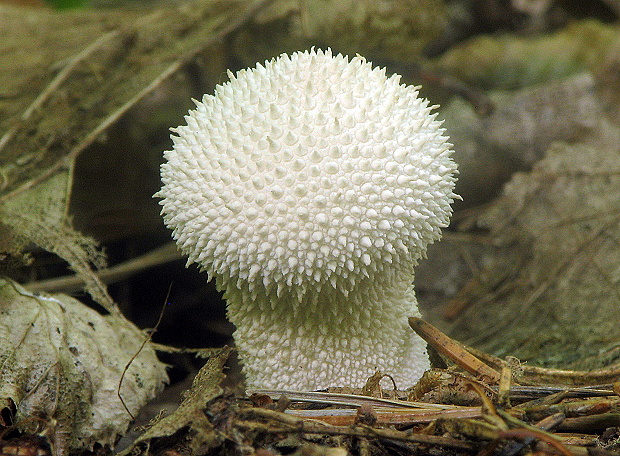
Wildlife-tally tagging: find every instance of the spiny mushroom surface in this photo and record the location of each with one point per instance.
(308, 188)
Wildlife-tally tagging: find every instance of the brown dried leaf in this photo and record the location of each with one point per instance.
(527, 121)
(190, 415)
(39, 215)
(562, 222)
(522, 126)
(66, 77)
(507, 61)
(61, 364)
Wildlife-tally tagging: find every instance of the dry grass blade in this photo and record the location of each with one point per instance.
(534, 375)
(453, 350)
(386, 411)
(347, 400)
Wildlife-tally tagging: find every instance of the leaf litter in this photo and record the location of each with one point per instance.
(561, 224)
(561, 419)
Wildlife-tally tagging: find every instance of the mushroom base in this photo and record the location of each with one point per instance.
(328, 339)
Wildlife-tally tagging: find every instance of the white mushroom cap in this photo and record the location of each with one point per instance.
(306, 180)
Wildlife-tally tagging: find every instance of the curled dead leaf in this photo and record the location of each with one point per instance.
(62, 364)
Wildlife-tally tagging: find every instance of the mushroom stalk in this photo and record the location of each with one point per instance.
(328, 339)
(309, 188)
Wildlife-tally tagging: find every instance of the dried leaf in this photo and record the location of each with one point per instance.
(39, 215)
(66, 78)
(561, 221)
(61, 364)
(524, 123)
(190, 414)
(527, 121)
(506, 61)
(85, 70)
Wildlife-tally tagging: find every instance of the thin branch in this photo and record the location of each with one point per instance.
(164, 254)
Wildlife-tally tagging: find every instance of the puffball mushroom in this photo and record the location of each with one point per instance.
(308, 188)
